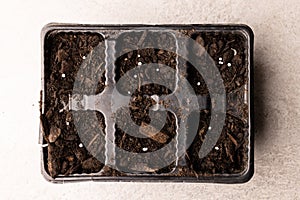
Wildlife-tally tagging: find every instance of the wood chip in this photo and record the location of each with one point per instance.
(153, 133)
(54, 134)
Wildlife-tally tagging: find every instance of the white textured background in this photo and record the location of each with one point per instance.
(277, 94)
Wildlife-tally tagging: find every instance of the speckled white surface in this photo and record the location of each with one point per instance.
(277, 95)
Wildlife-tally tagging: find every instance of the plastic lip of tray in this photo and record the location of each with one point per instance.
(92, 101)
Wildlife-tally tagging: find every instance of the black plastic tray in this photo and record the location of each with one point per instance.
(184, 37)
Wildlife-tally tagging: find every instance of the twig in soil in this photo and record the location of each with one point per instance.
(92, 141)
(122, 140)
(232, 139)
(140, 42)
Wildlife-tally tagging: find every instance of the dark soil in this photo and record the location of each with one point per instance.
(141, 100)
(66, 52)
(64, 55)
(222, 47)
(230, 153)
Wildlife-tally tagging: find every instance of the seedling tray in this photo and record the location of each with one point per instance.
(147, 103)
